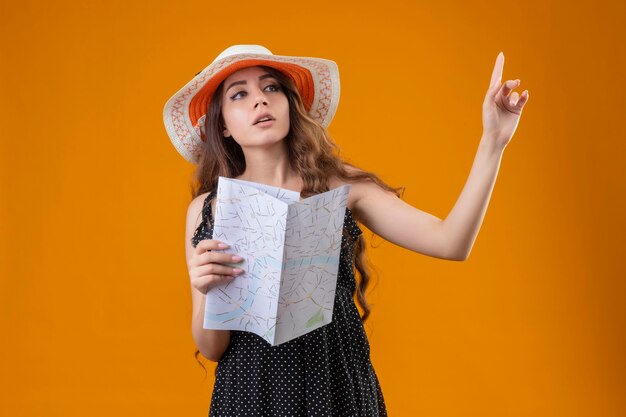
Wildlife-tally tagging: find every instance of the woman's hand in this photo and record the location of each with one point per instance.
(501, 110)
(206, 269)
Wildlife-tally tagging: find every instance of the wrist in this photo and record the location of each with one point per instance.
(489, 145)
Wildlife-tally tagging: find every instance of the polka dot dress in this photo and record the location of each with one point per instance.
(324, 373)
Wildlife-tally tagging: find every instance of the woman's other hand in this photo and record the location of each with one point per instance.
(207, 268)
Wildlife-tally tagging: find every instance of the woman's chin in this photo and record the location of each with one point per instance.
(265, 142)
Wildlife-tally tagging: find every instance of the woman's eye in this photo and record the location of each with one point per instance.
(269, 87)
(234, 97)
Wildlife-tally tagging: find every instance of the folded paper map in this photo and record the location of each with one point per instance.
(291, 259)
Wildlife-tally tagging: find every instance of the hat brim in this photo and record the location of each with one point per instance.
(317, 81)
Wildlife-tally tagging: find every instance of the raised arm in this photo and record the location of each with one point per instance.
(453, 238)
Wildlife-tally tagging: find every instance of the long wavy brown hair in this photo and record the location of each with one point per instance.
(312, 154)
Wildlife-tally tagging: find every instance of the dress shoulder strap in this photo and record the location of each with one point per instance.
(207, 214)
(202, 230)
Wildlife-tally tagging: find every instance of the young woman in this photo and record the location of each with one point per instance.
(260, 117)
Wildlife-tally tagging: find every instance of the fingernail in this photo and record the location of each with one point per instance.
(237, 258)
(222, 245)
(237, 270)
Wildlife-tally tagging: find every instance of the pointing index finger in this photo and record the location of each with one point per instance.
(496, 75)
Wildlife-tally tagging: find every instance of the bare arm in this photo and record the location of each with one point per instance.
(463, 223)
(406, 226)
(398, 222)
(211, 343)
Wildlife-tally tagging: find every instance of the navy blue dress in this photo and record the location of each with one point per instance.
(324, 373)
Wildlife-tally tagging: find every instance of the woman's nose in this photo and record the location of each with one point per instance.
(260, 99)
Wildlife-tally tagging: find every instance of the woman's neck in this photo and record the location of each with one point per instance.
(270, 166)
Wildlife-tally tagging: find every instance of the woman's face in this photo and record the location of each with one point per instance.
(249, 94)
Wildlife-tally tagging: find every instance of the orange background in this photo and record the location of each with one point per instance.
(95, 302)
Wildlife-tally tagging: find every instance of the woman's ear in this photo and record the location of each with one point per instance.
(226, 133)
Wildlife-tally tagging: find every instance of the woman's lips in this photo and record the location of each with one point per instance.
(265, 123)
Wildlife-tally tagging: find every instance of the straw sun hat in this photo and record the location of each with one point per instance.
(317, 81)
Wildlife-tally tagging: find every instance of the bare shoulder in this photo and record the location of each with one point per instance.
(195, 206)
